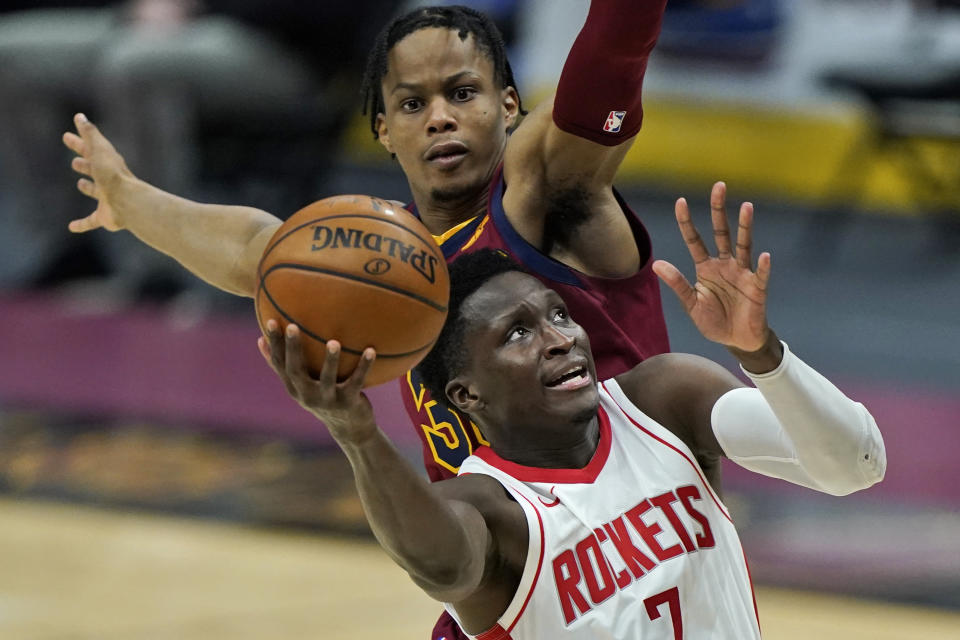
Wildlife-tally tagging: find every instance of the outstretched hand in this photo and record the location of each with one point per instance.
(104, 169)
(343, 407)
(728, 301)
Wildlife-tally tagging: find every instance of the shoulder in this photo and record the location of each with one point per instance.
(503, 515)
(678, 390)
(487, 495)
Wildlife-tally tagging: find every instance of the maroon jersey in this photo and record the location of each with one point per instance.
(622, 316)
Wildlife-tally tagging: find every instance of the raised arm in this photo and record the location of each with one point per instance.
(436, 533)
(221, 244)
(567, 151)
(795, 424)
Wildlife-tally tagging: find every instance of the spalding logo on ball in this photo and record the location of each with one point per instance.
(359, 270)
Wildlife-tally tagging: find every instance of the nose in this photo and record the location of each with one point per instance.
(556, 342)
(440, 118)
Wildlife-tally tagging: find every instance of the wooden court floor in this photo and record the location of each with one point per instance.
(76, 573)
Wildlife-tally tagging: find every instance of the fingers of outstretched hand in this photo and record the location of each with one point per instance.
(81, 165)
(745, 236)
(763, 270)
(672, 277)
(84, 126)
(82, 225)
(689, 232)
(718, 215)
(74, 143)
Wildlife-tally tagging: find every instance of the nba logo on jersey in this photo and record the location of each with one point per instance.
(614, 121)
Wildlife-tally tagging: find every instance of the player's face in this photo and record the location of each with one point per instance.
(529, 366)
(446, 117)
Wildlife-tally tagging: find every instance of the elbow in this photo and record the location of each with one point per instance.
(845, 476)
(450, 581)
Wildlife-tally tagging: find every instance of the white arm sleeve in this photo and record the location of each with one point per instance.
(797, 426)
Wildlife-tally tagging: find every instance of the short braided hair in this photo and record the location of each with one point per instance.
(447, 358)
(463, 20)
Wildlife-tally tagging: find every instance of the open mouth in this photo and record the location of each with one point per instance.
(574, 377)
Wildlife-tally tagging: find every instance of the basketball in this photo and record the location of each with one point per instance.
(359, 270)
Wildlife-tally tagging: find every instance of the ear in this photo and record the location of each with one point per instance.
(383, 134)
(510, 102)
(462, 397)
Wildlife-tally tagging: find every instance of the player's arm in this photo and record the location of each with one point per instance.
(439, 536)
(562, 152)
(795, 424)
(221, 244)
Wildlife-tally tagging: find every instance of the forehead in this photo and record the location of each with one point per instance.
(501, 295)
(434, 52)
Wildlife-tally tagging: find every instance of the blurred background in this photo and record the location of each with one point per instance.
(157, 482)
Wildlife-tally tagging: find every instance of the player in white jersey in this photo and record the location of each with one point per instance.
(635, 544)
(596, 511)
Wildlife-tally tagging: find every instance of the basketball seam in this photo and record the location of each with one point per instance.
(429, 243)
(319, 338)
(355, 278)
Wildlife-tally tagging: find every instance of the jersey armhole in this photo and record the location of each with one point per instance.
(618, 401)
(535, 550)
(542, 264)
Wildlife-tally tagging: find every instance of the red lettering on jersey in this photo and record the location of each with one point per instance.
(600, 589)
(567, 576)
(637, 562)
(686, 494)
(649, 532)
(663, 502)
(623, 578)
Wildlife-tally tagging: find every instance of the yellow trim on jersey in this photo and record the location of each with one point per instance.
(476, 234)
(443, 237)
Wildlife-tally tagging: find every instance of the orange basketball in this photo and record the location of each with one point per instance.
(359, 270)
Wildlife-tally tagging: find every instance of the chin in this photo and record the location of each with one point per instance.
(586, 415)
(454, 192)
(586, 409)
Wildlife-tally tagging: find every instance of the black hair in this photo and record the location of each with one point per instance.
(447, 359)
(462, 19)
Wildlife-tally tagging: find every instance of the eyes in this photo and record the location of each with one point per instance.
(460, 94)
(558, 316)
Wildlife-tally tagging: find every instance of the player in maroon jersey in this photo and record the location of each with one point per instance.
(440, 94)
(441, 97)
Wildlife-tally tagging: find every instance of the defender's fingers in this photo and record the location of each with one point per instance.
(745, 236)
(689, 232)
(83, 225)
(331, 363)
(84, 126)
(672, 277)
(718, 215)
(355, 382)
(87, 187)
(81, 165)
(74, 143)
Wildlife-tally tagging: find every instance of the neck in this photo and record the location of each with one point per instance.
(571, 449)
(441, 216)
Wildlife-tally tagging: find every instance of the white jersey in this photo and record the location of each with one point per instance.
(634, 545)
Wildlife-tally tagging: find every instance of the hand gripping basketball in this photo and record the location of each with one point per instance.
(361, 270)
(341, 406)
